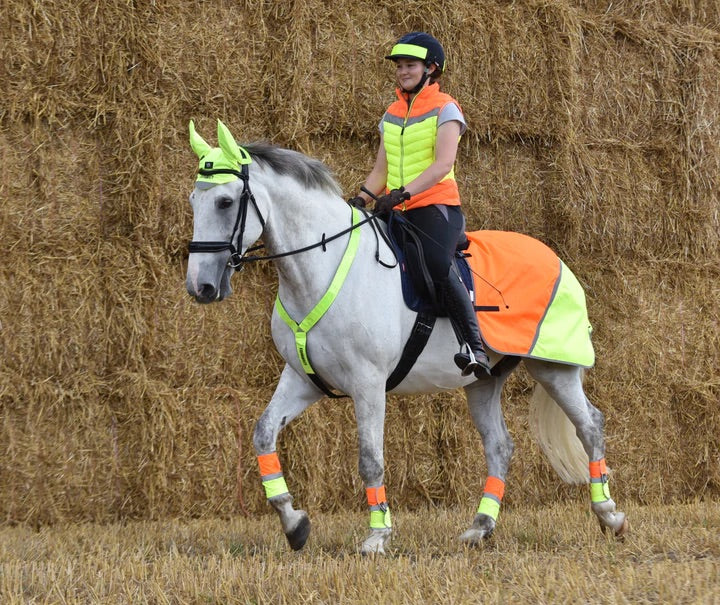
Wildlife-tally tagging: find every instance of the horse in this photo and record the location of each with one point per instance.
(341, 324)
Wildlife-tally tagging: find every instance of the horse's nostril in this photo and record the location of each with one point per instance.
(207, 292)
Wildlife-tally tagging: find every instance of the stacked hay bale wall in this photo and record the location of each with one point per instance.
(593, 127)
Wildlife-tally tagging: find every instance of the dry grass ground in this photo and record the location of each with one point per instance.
(538, 555)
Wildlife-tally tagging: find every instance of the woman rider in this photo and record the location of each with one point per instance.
(414, 170)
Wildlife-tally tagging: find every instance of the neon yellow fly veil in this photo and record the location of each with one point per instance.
(222, 164)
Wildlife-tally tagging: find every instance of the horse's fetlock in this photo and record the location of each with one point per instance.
(603, 508)
(376, 542)
(371, 471)
(483, 521)
(281, 501)
(481, 529)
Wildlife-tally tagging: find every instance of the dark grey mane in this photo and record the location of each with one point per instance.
(310, 172)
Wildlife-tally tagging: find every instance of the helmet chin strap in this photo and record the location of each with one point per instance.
(421, 83)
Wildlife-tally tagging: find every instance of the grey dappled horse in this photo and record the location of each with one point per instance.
(340, 318)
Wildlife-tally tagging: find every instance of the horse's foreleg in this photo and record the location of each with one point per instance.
(484, 405)
(563, 384)
(370, 416)
(292, 396)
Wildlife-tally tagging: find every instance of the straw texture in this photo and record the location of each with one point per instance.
(593, 126)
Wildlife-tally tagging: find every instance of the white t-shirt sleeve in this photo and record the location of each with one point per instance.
(451, 112)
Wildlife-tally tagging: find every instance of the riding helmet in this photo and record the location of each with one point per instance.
(419, 45)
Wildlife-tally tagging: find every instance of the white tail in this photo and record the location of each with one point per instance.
(555, 435)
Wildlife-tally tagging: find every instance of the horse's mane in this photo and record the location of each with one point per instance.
(308, 171)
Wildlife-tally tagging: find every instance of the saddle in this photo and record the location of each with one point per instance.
(418, 289)
(420, 294)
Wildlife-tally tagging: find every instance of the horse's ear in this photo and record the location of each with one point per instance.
(230, 147)
(198, 144)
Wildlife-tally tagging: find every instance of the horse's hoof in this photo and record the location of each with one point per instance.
(376, 542)
(624, 530)
(481, 529)
(618, 524)
(299, 534)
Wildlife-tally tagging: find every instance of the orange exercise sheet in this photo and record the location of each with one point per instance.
(517, 281)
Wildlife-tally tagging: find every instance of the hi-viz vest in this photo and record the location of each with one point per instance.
(409, 135)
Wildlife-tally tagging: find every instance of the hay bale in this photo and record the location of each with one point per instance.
(702, 13)
(592, 127)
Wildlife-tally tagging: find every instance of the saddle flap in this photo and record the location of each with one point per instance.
(418, 288)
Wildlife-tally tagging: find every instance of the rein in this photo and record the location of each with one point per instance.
(369, 218)
(236, 260)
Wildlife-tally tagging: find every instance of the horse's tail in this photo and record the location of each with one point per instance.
(555, 435)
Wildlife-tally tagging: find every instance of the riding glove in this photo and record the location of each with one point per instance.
(357, 201)
(387, 202)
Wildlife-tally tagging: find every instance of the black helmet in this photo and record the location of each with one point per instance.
(419, 45)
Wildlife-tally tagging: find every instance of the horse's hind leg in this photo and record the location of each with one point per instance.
(292, 396)
(563, 384)
(484, 404)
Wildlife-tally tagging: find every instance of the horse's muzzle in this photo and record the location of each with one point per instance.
(206, 293)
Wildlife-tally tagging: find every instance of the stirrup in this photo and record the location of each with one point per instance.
(469, 364)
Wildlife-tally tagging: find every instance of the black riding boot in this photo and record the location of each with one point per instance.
(460, 309)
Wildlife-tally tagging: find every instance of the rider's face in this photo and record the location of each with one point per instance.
(409, 72)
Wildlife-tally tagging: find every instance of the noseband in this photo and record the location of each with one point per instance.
(236, 259)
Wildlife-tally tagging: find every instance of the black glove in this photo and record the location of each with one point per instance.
(357, 201)
(387, 202)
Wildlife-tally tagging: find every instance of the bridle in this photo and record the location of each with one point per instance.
(237, 260)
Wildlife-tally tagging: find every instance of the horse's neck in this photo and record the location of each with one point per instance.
(298, 221)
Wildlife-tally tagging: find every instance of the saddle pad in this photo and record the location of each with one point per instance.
(528, 302)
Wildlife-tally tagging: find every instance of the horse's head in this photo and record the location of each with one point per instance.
(226, 219)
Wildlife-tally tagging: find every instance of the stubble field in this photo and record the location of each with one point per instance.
(537, 555)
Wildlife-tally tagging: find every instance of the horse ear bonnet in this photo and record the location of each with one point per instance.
(218, 165)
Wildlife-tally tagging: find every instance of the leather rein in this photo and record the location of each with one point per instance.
(237, 260)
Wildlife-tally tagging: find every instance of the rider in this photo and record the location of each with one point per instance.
(414, 170)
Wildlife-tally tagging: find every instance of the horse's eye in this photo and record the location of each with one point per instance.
(224, 203)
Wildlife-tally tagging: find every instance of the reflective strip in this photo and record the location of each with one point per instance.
(417, 119)
(380, 519)
(599, 488)
(405, 122)
(490, 506)
(599, 491)
(564, 332)
(376, 495)
(269, 464)
(492, 497)
(409, 50)
(275, 487)
(394, 120)
(271, 476)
